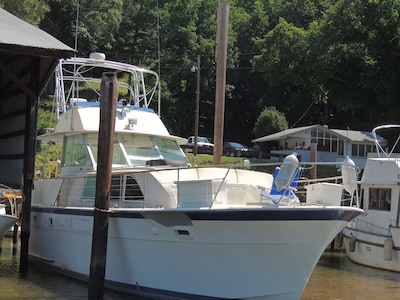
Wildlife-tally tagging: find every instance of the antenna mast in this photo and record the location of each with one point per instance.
(76, 26)
(159, 61)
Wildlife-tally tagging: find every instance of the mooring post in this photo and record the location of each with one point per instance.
(108, 104)
(222, 50)
(15, 239)
(313, 158)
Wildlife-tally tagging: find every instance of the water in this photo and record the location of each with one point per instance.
(334, 278)
(39, 283)
(337, 278)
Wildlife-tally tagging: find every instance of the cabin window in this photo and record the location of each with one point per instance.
(379, 198)
(76, 153)
(118, 156)
(123, 187)
(139, 149)
(89, 189)
(170, 150)
(126, 188)
(132, 190)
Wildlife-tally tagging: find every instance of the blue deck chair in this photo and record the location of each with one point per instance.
(288, 193)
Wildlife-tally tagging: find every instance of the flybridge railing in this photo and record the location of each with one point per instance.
(379, 141)
(74, 69)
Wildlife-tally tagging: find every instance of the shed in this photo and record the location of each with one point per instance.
(28, 56)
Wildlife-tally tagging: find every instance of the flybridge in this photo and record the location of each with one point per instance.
(78, 80)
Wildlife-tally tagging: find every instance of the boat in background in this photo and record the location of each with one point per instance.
(175, 230)
(9, 208)
(373, 238)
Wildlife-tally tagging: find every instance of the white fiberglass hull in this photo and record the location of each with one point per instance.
(6, 223)
(370, 249)
(200, 254)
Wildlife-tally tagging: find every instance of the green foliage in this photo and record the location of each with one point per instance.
(48, 152)
(208, 160)
(46, 116)
(270, 121)
(325, 61)
(32, 11)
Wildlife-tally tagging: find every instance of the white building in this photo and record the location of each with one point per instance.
(333, 145)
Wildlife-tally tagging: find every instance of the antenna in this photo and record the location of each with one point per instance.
(159, 61)
(76, 26)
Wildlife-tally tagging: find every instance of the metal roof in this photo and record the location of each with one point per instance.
(282, 134)
(16, 34)
(354, 136)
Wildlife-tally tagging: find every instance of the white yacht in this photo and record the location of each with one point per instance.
(175, 231)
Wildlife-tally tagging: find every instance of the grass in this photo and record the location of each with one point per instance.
(208, 160)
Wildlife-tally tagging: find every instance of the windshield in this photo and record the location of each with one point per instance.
(141, 149)
(129, 150)
(170, 150)
(236, 145)
(202, 140)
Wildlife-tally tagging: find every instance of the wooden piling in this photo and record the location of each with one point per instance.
(15, 239)
(313, 158)
(108, 104)
(222, 49)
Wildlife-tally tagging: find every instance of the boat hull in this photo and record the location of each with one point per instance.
(6, 222)
(194, 254)
(372, 250)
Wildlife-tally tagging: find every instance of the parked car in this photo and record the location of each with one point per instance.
(236, 149)
(204, 146)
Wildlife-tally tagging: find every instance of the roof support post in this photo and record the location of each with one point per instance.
(29, 163)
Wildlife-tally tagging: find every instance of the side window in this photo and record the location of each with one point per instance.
(115, 191)
(89, 189)
(379, 199)
(132, 190)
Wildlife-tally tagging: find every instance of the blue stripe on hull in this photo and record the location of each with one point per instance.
(279, 214)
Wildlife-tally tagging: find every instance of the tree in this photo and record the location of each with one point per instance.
(269, 121)
(345, 58)
(355, 49)
(98, 23)
(31, 11)
(331, 62)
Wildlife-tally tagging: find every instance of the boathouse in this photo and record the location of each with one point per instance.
(332, 144)
(28, 56)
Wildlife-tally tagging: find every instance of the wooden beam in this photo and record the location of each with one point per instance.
(17, 80)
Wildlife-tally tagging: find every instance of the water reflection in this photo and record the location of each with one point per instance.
(336, 277)
(41, 283)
